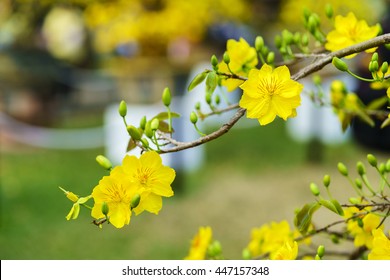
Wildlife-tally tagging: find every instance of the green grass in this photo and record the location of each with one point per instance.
(33, 209)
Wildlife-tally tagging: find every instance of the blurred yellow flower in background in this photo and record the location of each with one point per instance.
(200, 244)
(380, 246)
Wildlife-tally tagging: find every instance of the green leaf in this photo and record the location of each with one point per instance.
(338, 207)
(164, 127)
(211, 82)
(164, 116)
(303, 217)
(385, 123)
(365, 117)
(377, 103)
(328, 204)
(197, 80)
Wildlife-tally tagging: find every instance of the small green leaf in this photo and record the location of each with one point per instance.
(211, 82)
(303, 217)
(338, 207)
(164, 116)
(197, 80)
(333, 205)
(164, 127)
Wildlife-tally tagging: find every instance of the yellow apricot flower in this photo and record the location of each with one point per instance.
(289, 251)
(269, 93)
(150, 176)
(362, 234)
(275, 239)
(243, 57)
(117, 193)
(380, 246)
(199, 244)
(349, 31)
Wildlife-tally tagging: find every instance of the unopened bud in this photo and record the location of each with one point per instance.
(214, 249)
(354, 200)
(278, 42)
(360, 222)
(166, 97)
(197, 106)
(342, 169)
(321, 251)
(326, 180)
(305, 40)
(271, 58)
(208, 97)
(155, 124)
(145, 142)
(142, 123)
(105, 208)
(382, 168)
(134, 132)
(226, 58)
(214, 61)
(193, 117)
(72, 197)
(360, 168)
(373, 66)
(329, 10)
(122, 109)
(335, 239)
(314, 189)
(259, 43)
(217, 99)
(375, 56)
(388, 165)
(372, 160)
(385, 67)
(358, 183)
(312, 23)
(104, 162)
(287, 36)
(246, 254)
(148, 129)
(340, 64)
(135, 201)
(317, 80)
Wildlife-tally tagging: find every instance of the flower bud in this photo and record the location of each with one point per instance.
(193, 117)
(142, 123)
(217, 99)
(208, 97)
(135, 201)
(246, 254)
(226, 58)
(145, 142)
(388, 165)
(382, 168)
(375, 56)
(360, 168)
(287, 37)
(312, 23)
(373, 66)
(278, 42)
(134, 132)
(166, 97)
(72, 197)
(354, 200)
(197, 106)
(321, 251)
(329, 11)
(335, 239)
(305, 40)
(214, 249)
(297, 38)
(105, 208)
(317, 80)
(385, 67)
(122, 109)
(342, 169)
(104, 162)
(259, 43)
(214, 61)
(358, 183)
(271, 58)
(339, 64)
(155, 124)
(148, 129)
(372, 160)
(314, 189)
(360, 222)
(326, 180)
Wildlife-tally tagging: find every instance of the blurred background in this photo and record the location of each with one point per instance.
(64, 67)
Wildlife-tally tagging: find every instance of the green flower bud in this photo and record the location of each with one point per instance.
(340, 64)
(142, 123)
(259, 43)
(360, 168)
(385, 67)
(373, 66)
(148, 129)
(214, 61)
(329, 10)
(297, 38)
(271, 58)
(278, 41)
(214, 249)
(312, 23)
(166, 97)
(105, 208)
(217, 99)
(317, 257)
(360, 222)
(193, 117)
(388, 165)
(306, 13)
(104, 162)
(155, 124)
(326, 180)
(134, 132)
(246, 254)
(314, 189)
(145, 142)
(287, 36)
(375, 56)
(321, 251)
(382, 168)
(358, 183)
(305, 40)
(335, 239)
(197, 106)
(226, 58)
(208, 97)
(122, 109)
(265, 51)
(135, 201)
(342, 169)
(372, 160)
(354, 200)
